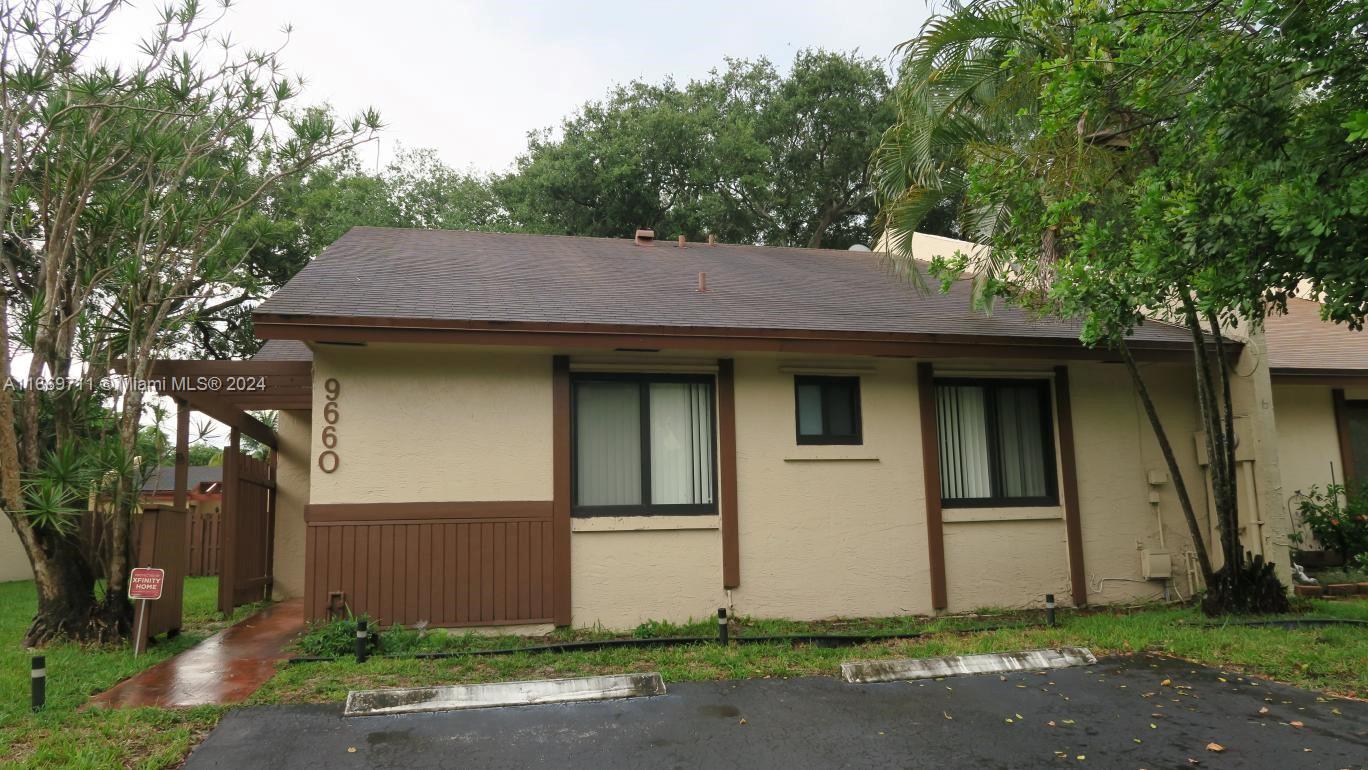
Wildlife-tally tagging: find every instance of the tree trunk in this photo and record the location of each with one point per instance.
(67, 608)
(1171, 460)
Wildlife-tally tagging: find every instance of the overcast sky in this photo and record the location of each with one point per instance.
(472, 77)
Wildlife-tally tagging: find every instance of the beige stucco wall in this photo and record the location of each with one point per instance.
(292, 494)
(1115, 453)
(825, 531)
(434, 423)
(14, 563)
(620, 579)
(829, 530)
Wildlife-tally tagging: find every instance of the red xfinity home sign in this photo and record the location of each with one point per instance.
(146, 583)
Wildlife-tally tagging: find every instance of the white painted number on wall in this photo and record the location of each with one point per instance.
(328, 459)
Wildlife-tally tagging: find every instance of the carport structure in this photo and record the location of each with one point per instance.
(229, 391)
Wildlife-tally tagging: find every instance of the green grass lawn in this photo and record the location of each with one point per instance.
(1329, 658)
(64, 736)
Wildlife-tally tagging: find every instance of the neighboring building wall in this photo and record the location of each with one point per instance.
(292, 494)
(14, 563)
(1308, 438)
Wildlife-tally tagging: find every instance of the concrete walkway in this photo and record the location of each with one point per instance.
(225, 668)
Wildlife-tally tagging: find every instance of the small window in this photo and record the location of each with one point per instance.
(996, 443)
(643, 444)
(828, 410)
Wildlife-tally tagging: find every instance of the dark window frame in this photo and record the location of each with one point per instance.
(826, 437)
(1045, 388)
(643, 380)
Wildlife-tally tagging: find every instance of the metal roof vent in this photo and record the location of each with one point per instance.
(645, 237)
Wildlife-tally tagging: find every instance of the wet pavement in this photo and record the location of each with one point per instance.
(1120, 713)
(225, 668)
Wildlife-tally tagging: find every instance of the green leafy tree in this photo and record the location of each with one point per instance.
(205, 454)
(746, 154)
(1125, 161)
(123, 195)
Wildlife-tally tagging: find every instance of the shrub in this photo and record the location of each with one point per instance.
(1339, 520)
(332, 638)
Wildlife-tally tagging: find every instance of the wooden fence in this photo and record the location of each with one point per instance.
(202, 537)
(158, 539)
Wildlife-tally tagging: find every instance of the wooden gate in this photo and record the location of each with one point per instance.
(202, 530)
(247, 528)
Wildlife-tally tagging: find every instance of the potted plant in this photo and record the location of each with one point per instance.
(1338, 518)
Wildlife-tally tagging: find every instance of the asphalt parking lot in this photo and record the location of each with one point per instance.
(1132, 712)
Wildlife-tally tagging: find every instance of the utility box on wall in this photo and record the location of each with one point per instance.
(1156, 565)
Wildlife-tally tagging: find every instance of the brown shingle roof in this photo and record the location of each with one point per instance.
(435, 275)
(1301, 341)
(283, 350)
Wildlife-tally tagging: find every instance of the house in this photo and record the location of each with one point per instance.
(1320, 395)
(519, 430)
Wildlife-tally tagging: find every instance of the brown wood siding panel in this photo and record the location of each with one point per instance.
(561, 487)
(312, 562)
(453, 573)
(487, 572)
(930, 445)
(1068, 471)
(534, 544)
(351, 513)
(726, 440)
(412, 584)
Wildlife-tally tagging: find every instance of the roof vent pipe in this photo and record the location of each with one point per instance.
(702, 282)
(645, 237)
(712, 239)
(681, 241)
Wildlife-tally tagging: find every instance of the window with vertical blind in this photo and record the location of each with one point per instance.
(643, 444)
(996, 441)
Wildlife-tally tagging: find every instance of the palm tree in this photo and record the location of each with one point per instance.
(968, 100)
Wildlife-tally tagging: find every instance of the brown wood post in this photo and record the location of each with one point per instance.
(228, 521)
(271, 523)
(1068, 471)
(182, 454)
(561, 486)
(726, 440)
(935, 528)
(1346, 449)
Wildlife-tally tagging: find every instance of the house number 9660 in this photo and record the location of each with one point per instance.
(328, 459)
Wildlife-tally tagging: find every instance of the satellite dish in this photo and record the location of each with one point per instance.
(859, 247)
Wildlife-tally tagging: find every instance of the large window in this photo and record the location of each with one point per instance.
(643, 444)
(828, 409)
(996, 443)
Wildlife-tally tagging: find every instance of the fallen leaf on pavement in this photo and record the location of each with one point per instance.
(1215, 747)
(1166, 683)
(1296, 723)
(1263, 709)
